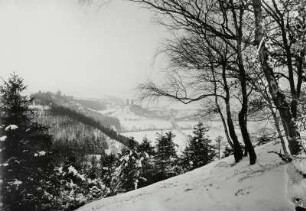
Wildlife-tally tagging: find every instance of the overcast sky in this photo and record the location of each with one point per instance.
(79, 49)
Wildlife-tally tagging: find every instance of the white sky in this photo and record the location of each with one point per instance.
(81, 50)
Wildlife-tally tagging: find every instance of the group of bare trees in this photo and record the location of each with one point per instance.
(231, 51)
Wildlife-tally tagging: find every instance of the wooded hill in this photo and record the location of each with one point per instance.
(69, 120)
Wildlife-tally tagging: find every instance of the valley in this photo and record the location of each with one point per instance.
(131, 120)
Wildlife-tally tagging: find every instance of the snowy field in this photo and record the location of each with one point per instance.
(269, 185)
(131, 122)
(144, 124)
(182, 135)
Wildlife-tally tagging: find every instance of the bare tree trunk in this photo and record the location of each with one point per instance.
(278, 97)
(224, 123)
(237, 15)
(283, 142)
(238, 153)
(242, 117)
(266, 96)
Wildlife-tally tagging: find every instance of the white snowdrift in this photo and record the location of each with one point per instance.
(11, 127)
(3, 138)
(216, 186)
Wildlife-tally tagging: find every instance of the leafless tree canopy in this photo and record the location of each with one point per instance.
(236, 49)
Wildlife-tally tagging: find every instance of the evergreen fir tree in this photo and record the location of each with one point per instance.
(25, 150)
(200, 150)
(148, 168)
(130, 168)
(132, 144)
(146, 147)
(166, 157)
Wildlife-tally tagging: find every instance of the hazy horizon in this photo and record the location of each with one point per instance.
(82, 50)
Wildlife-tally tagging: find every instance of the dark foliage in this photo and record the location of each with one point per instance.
(148, 169)
(166, 157)
(200, 150)
(26, 157)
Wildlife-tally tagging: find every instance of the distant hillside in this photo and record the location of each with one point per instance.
(86, 107)
(74, 136)
(89, 121)
(92, 104)
(71, 121)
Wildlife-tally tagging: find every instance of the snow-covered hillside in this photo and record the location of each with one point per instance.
(131, 121)
(136, 118)
(268, 185)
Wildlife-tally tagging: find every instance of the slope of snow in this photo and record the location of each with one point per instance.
(216, 186)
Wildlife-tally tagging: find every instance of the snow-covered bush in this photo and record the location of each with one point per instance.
(72, 189)
(125, 172)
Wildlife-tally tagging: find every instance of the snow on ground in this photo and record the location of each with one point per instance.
(216, 186)
(144, 124)
(11, 127)
(181, 134)
(186, 124)
(132, 122)
(255, 128)
(3, 138)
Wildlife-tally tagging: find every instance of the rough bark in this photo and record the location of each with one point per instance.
(283, 143)
(278, 97)
(266, 96)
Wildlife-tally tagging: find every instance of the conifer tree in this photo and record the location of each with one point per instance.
(200, 151)
(25, 150)
(148, 168)
(130, 168)
(108, 165)
(166, 156)
(146, 147)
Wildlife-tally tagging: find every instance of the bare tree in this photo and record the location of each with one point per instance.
(205, 62)
(276, 27)
(281, 50)
(207, 19)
